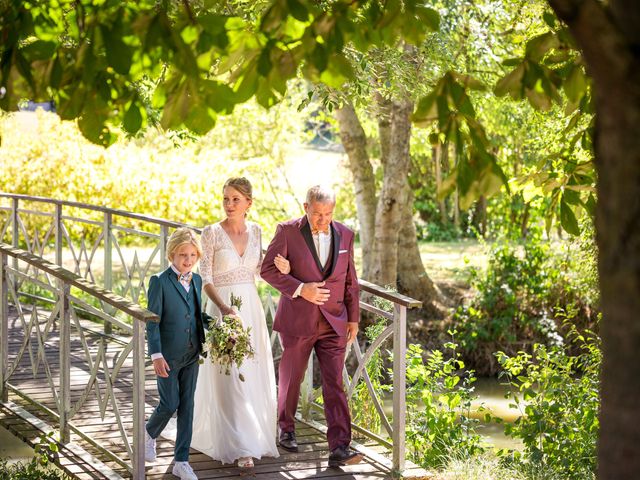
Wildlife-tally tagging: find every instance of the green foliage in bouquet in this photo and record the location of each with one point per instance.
(227, 342)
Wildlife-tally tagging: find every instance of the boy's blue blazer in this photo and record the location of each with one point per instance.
(168, 299)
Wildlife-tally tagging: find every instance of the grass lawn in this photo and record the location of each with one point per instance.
(446, 261)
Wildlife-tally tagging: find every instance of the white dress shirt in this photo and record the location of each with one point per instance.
(322, 242)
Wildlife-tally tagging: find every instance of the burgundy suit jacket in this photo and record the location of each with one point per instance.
(296, 316)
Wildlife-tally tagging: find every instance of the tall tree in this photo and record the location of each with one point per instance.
(609, 36)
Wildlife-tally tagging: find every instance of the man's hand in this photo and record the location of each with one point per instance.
(314, 294)
(352, 332)
(161, 367)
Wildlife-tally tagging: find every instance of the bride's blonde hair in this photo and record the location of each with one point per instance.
(242, 185)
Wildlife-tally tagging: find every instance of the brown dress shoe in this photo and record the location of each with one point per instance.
(288, 441)
(344, 455)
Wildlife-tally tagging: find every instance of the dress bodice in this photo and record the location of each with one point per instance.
(221, 265)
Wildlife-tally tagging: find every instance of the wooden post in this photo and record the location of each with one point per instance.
(399, 386)
(58, 238)
(138, 400)
(4, 327)
(164, 236)
(64, 396)
(15, 237)
(108, 263)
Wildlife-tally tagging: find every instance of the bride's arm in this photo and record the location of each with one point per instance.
(206, 269)
(261, 254)
(281, 263)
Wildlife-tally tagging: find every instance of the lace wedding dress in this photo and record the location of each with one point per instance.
(232, 418)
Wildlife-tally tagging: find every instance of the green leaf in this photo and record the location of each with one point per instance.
(71, 106)
(512, 62)
(218, 96)
(298, 10)
(539, 100)
(176, 107)
(132, 120)
(213, 23)
(511, 83)
(55, 75)
(39, 50)
(568, 218)
(338, 72)
(273, 17)
(426, 111)
(264, 61)
(549, 18)
(265, 96)
(575, 86)
(247, 84)
(92, 127)
(320, 57)
(118, 54)
(430, 17)
(571, 197)
(467, 81)
(200, 119)
(538, 46)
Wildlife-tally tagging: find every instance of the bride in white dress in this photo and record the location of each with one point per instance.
(234, 419)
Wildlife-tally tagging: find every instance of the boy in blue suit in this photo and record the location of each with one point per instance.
(175, 345)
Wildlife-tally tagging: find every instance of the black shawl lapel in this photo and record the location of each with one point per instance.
(335, 243)
(308, 238)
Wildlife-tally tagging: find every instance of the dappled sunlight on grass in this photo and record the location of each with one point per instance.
(446, 261)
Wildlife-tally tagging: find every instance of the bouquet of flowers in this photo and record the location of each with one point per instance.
(227, 342)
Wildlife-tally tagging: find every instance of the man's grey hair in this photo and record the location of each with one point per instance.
(320, 194)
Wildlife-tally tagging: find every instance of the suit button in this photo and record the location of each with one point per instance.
(186, 330)
(187, 317)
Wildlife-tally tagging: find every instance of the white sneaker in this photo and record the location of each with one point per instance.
(149, 447)
(184, 471)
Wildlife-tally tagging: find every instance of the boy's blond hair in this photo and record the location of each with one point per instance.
(180, 237)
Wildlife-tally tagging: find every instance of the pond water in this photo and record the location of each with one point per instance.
(490, 393)
(12, 448)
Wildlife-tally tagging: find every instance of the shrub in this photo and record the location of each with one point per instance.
(439, 396)
(557, 395)
(524, 297)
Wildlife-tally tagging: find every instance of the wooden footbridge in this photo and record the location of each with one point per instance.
(72, 351)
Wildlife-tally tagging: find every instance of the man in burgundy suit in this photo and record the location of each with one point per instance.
(319, 309)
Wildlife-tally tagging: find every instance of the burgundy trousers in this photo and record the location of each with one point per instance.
(330, 351)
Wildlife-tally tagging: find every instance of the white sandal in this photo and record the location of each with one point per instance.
(245, 462)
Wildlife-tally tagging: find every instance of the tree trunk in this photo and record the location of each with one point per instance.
(437, 163)
(392, 197)
(354, 141)
(480, 216)
(412, 276)
(384, 106)
(609, 35)
(395, 132)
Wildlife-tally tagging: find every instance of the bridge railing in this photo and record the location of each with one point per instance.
(58, 346)
(119, 250)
